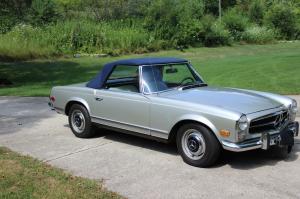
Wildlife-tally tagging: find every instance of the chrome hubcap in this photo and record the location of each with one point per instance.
(193, 144)
(78, 121)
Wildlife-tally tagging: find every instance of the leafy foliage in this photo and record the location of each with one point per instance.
(43, 12)
(282, 17)
(235, 22)
(37, 28)
(259, 35)
(256, 11)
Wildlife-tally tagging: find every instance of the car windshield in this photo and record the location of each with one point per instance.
(159, 78)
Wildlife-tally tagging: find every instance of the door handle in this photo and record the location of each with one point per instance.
(98, 99)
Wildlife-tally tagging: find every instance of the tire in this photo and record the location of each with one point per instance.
(197, 145)
(80, 122)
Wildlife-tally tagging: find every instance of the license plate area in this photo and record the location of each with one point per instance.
(270, 140)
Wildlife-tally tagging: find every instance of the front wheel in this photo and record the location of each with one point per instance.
(197, 145)
(80, 122)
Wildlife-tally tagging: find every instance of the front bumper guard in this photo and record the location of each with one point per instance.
(51, 106)
(266, 140)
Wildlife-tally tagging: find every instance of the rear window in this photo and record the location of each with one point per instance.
(120, 72)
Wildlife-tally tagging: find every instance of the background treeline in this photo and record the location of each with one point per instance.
(43, 28)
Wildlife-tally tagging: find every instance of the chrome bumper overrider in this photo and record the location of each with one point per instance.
(264, 142)
(51, 106)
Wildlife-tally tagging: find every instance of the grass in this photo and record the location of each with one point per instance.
(25, 177)
(274, 68)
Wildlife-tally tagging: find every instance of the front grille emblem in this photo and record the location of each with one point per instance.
(278, 121)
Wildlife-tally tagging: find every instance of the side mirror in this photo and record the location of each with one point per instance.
(171, 70)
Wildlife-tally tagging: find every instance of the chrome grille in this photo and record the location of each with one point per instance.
(274, 121)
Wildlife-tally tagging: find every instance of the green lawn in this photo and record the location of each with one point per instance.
(274, 68)
(24, 177)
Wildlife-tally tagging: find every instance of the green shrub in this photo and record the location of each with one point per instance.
(6, 23)
(43, 12)
(187, 34)
(213, 33)
(258, 35)
(217, 36)
(74, 37)
(235, 22)
(156, 45)
(256, 12)
(24, 42)
(283, 18)
(175, 22)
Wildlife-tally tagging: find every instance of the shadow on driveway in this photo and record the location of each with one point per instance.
(244, 160)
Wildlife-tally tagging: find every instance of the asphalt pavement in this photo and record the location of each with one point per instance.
(140, 168)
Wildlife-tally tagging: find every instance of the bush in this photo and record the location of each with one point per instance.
(283, 18)
(43, 12)
(187, 34)
(73, 37)
(24, 42)
(174, 22)
(213, 33)
(217, 36)
(235, 22)
(256, 12)
(259, 35)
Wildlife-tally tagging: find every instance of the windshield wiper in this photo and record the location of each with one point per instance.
(191, 85)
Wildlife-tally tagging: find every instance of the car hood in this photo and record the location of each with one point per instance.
(227, 98)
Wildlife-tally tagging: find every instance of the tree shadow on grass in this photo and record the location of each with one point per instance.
(46, 74)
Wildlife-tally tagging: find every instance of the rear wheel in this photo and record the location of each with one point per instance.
(80, 122)
(197, 145)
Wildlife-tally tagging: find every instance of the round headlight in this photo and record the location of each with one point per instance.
(243, 123)
(294, 106)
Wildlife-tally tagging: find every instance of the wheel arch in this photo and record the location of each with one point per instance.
(195, 119)
(73, 101)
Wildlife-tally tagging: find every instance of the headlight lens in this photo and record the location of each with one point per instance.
(294, 106)
(243, 123)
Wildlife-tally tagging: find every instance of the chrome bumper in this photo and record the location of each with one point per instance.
(51, 106)
(264, 142)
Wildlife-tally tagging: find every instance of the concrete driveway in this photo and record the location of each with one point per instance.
(139, 168)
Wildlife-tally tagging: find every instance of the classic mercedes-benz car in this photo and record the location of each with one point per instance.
(167, 100)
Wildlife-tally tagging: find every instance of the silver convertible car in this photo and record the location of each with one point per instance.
(167, 100)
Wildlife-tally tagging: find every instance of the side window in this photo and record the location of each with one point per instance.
(124, 78)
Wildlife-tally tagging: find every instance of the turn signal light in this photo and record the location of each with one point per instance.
(224, 133)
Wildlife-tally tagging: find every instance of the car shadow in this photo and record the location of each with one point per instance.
(243, 161)
(137, 141)
(258, 158)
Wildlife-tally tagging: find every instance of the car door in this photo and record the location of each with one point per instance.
(121, 106)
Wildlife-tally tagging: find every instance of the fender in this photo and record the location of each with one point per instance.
(77, 99)
(197, 118)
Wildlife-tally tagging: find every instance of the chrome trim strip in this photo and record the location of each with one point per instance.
(241, 147)
(269, 115)
(133, 127)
